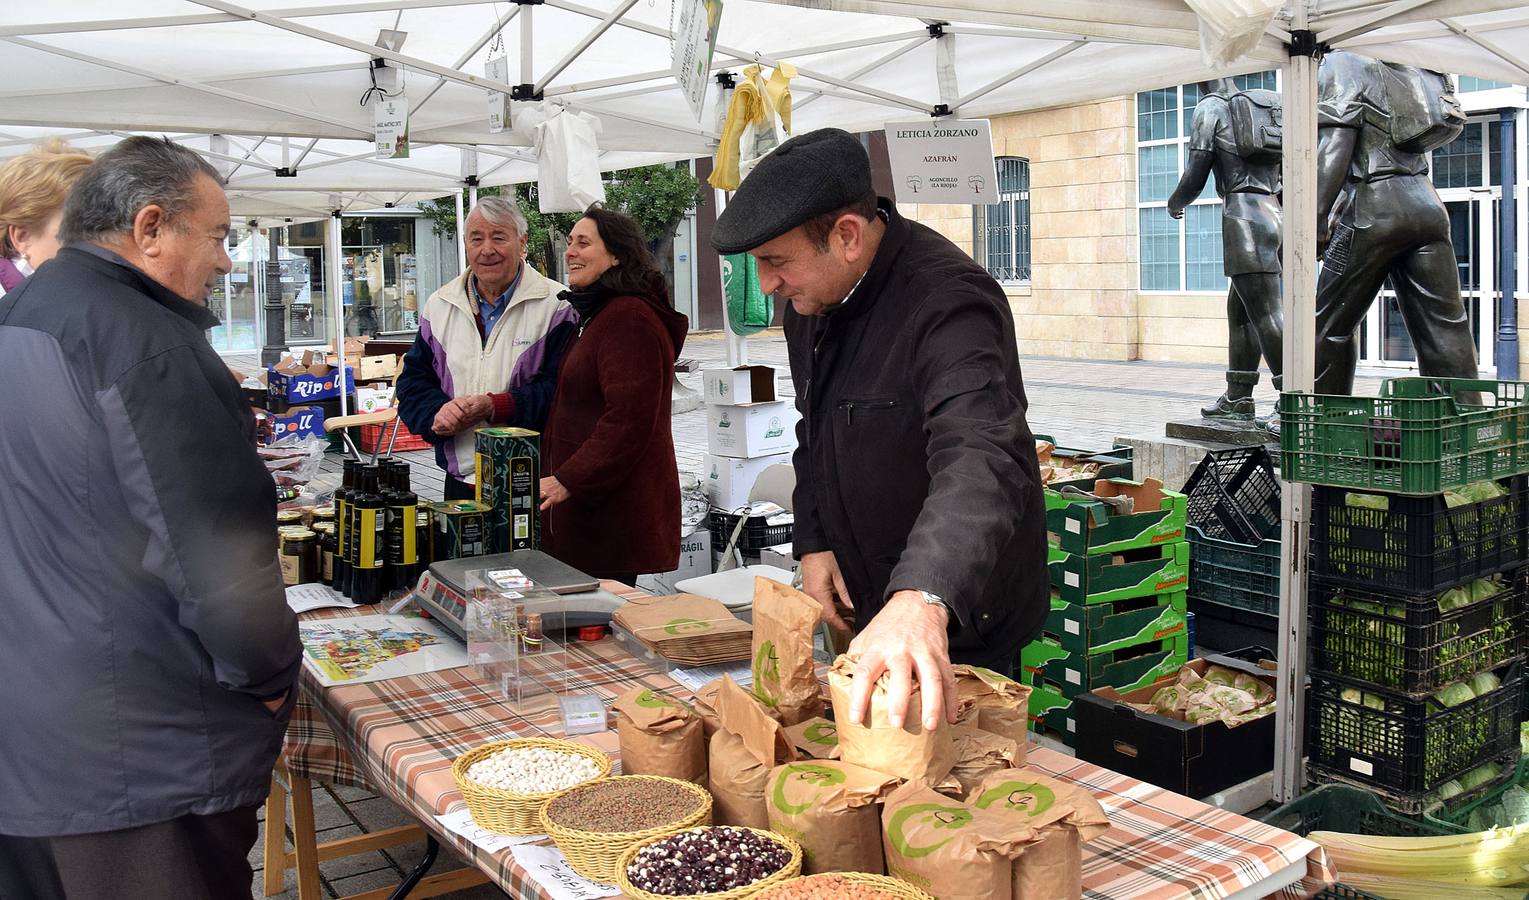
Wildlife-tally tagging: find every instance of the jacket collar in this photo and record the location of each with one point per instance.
(113, 266)
(533, 286)
(864, 294)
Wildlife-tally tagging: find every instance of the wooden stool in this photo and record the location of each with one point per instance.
(307, 853)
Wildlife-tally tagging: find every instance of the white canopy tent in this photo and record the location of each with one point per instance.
(292, 77)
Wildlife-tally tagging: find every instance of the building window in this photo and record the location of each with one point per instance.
(1468, 83)
(1472, 160)
(1182, 255)
(1001, 231)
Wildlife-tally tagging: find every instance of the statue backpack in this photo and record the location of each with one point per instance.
(1257, 125)
(1425, 113)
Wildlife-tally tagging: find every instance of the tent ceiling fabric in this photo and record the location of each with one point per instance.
(290, 76)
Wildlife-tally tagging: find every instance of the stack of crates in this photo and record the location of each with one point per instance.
(1117, 614)
(1419, 536)
(1234, 538)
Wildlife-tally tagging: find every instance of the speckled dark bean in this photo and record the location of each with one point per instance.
(623, 804)
(706, 861)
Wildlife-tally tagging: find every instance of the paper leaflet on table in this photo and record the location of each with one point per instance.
(308, 597)
(547, 867)
(460, 821)
(373, 648)
(695, 679)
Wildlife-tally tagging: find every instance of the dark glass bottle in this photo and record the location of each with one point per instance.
(367, 568)
(343, 530)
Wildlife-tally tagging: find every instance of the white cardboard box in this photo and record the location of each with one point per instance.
(778, 556)
(369, 400)
(695, 560)
(744, 384)
(757, 429)
(728, 480)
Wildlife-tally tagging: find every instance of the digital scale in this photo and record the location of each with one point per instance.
(442, 590)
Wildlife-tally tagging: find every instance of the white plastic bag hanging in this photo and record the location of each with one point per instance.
(568, 162)
(1231, 28)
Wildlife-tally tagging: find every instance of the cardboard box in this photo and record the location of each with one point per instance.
(778, 556)
(739, 386)
(1123, 668)
(298, 422)
(296, 384)
(461, 529)
(1086, 526)
(1107, 627)
(1194, 760)
(1051, 713)
(728, 480)
(746, 432)
(382, 367)
(508, 475)
(371, 399)
(1101, 578)
(695, 560)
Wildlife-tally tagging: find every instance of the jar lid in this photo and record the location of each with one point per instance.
(289, 515)
(325, 527)
(301, 534)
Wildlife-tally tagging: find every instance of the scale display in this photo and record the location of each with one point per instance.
(442, 589)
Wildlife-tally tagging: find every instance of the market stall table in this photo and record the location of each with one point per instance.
(398, 738)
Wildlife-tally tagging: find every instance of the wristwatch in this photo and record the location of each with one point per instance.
(936, 600)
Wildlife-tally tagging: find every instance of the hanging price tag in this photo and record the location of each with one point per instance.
(390, 125)
(497, 68)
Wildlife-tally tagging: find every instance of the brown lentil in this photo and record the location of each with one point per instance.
(828, 886)
(706, 861)
(618, 805)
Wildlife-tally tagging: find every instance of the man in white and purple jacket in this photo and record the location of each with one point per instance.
(489, 345)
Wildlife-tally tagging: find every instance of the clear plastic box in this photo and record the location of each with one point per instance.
(515, 636)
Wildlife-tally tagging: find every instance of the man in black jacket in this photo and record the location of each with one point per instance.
(918, 498)
(150, 669)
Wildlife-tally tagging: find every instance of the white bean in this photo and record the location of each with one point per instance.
(532, 770)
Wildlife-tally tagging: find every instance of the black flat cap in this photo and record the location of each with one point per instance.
(811, 174)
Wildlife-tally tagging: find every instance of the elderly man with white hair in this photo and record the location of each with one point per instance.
(488, 347)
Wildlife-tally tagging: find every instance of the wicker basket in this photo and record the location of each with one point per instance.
(894, 886)
(791, 869)
(593, 854)
(502, 811)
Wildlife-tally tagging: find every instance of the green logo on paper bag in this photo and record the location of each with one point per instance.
(815, 776)
(766, 673)
(649, 700)
(936, 816)
(775, 429)
(1018, 796)
(822, 733)
(686, 626)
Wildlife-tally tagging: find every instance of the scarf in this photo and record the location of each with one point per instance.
(587, 302)
(10, 275)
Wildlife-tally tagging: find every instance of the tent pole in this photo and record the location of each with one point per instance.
(1507, 315)
(337, 296)
(1299, 301)
(461, 237)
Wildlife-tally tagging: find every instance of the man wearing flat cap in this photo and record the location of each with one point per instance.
(918, 499)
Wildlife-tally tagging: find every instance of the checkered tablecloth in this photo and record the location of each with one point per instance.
(399, 737)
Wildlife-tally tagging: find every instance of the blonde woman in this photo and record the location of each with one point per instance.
(32, 191)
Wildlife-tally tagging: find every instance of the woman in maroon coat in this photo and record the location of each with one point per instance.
(612, 493)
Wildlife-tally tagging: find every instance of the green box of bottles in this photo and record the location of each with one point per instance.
(1100, 578)
(508, 470)
(1123, 669)
(1098, 524)
(461, 529)
(1114, 625)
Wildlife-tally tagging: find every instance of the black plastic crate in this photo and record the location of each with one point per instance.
(1417, 544)
(1426, 804)
(1349, 809)
(1407, 644)
(1245, 576)
(1234, 495)
(1408, 746)
(1221, 628)
(757, 533)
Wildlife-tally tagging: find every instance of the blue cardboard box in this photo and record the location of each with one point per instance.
(298, 422)
(306, 388)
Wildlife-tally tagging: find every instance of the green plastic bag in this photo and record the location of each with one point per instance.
(749, 309)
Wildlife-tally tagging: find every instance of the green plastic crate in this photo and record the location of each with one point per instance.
(1100, 578)
(1420, 436)
(1452, 820)
(1109, 626)
(1348, 809)
(1123, 669)
(1242, 576)
(1088, 527)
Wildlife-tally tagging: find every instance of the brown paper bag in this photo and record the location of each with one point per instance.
(705, 702)
(816, 738)
(1063, 814)
(831, 809)
(785, 678)
(660, 736)
(740, 758)
(952, 849)
(909, 752)
(998, 704)
(980, 753)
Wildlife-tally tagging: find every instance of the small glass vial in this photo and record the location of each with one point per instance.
(531, 640)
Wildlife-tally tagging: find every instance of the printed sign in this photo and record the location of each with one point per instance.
(498, 69)
(694, 43)
(943, 162)
(390, 125)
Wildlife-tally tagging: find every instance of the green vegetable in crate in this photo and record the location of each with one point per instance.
(1523, 738)
(1479, 776)
(1450, 790)
(1483, 588)
(1374, 701)
(1479, 492)
(1452, 695)
(1366, 501)
(1485, 683)
(1454, 598)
